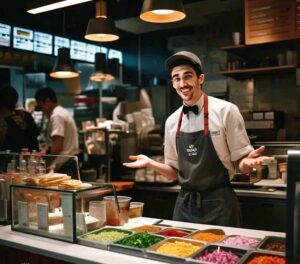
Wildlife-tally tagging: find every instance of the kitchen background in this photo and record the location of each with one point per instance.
(207, 31)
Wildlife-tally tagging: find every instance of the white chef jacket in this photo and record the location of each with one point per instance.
(226, 127)
(62, 124)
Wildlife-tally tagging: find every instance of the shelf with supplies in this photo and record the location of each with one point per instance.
(246, 61)
(257, 71)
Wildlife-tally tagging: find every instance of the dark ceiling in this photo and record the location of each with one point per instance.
(124, 12)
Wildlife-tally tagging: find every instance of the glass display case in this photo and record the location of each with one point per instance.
(56, 212)
(28, 167)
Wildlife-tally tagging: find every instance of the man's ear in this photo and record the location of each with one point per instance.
(201, 78)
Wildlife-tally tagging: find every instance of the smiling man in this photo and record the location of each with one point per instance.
(205, 144)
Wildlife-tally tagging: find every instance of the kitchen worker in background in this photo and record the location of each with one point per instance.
(205, 144)
(61, 130)
(17, 127)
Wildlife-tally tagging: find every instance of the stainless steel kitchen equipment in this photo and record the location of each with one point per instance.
(293, 207)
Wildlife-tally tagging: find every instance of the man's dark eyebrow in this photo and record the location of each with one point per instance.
(186, 72)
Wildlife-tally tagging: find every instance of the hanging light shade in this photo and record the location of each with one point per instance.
(101, 74)
(101, 28)
(63, 68)
(162, 11)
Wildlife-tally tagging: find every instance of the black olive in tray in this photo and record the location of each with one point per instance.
(273, 243)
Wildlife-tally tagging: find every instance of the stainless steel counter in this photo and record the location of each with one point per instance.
(85, 255)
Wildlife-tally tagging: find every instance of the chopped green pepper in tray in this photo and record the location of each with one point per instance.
(109, 235)
(140, 240)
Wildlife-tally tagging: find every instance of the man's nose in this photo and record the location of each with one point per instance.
(182, 82)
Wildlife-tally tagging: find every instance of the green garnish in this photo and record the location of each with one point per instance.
(140, 240)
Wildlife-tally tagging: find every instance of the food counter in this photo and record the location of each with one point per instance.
(75, 253)
(255, 201)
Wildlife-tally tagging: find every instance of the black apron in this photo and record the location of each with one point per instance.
(206, 196)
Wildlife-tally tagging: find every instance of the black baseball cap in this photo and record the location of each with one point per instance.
(183, 57)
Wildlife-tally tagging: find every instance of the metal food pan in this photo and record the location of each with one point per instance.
(187, 231)
(214, 231)
(152, 254)
(135, 229)
(241, 252)
(240, 246)
(271, 239)
(82, 240)
(252, 254)
(129, 250)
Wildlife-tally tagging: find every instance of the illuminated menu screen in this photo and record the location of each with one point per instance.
(42, 43)
(23, 38)
(60, 42)
(90, 52)
(5, 35)
(78, 50)
(115, 54)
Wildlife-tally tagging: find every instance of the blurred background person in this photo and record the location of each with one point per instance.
(17, 127)
(61, 131)
(61, 134)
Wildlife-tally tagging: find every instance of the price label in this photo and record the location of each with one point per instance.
(67, 208)
(42, 213)
(23, 214)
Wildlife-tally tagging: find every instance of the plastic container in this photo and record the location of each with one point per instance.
(113, 216)
(136, 209)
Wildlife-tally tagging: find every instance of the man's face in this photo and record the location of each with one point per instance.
(45, 107)
(186, 83)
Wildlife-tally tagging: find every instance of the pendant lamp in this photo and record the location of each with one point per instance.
(101, 28)
(101, 74)
(63, 67)
(162, 11)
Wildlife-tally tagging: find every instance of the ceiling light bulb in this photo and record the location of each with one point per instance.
(64, 74)
(53, 6)
(163, 11)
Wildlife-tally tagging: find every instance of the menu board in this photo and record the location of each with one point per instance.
(115, 54)
(78, 50)
(5, 35)
(42, 43)
(90, 52)
(60, 42)
(23, 38)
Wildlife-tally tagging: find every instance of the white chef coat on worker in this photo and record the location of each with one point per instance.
(226, 127)
(62, 124)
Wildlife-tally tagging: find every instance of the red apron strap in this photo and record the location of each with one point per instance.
(179, 124)
(205, 108)
(205, 113)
